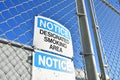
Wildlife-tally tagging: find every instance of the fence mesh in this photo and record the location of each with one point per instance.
(17, 26)
(13, 65)
(108, 17)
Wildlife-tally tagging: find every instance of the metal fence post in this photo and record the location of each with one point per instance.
(97, 42)
(86, 41)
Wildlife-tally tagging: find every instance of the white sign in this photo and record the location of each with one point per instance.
(48, 66)
(51, 36)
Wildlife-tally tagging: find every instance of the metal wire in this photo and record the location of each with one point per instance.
(16, 34)
(108, 22)
(17, 26)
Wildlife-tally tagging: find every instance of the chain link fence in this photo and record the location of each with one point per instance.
(108, 17)
(14, 61)
(17, 26)
(16, 34)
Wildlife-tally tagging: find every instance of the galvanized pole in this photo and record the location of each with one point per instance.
(97, 42)
(86, 41)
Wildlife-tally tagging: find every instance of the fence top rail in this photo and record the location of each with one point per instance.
(110, 6)
(16, 44)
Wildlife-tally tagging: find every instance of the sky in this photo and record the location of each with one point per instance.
(17, 24)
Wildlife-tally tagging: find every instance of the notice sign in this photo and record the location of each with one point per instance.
(52, 36)
(48, 66)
